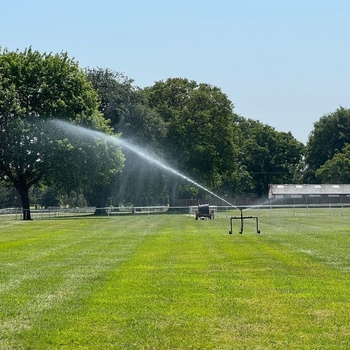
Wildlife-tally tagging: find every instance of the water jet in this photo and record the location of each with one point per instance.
(137, 150)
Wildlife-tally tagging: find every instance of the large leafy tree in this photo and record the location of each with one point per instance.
(36, 88)
(268, 156)
(126, 107)
(337, 169)
(329, 136)
(201, 140)
(91, 160)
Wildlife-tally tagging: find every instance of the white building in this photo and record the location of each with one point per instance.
(315, 193)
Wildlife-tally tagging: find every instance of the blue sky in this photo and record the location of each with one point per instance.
(285, 63)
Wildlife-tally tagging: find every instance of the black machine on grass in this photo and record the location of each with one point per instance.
(242, 218)
(204, 211)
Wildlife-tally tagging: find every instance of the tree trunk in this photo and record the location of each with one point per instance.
(24, 194)
(102, 193)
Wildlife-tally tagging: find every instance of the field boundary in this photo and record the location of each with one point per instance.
(273, 209)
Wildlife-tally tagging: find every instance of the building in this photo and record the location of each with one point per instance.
(310, 194)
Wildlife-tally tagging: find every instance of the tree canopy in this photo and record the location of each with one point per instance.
(268, 156)
(190, 126)
(337, 169)
(126, 107)
(201, 140)
(329, 136)
(36, 88)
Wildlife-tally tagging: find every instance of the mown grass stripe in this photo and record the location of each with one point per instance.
(172, 282)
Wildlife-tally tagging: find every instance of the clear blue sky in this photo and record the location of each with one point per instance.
(285, 63)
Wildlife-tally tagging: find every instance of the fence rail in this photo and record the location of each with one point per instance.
(219, 211)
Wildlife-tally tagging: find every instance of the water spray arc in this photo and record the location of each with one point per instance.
(68, 127)
(160, 164)
(141, 153)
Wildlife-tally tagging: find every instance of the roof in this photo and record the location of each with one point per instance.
(316, 189)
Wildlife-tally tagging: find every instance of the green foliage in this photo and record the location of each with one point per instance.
(201, 140)
(115, 92)
(268, 156)
(190, 125)
(127, 109)
(331, 133)
(337, 169)
(9, 197)
(46, 86)
(34, 89)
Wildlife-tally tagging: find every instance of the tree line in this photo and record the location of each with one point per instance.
(190, 126)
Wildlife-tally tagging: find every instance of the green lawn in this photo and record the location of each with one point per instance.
(171, 282)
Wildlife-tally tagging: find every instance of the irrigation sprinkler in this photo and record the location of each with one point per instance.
(242, 218)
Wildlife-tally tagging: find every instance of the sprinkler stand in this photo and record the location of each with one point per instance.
(242, 218)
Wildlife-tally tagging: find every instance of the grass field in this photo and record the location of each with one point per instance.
(171, 282)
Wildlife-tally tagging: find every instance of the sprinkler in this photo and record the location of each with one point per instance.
(242, 218)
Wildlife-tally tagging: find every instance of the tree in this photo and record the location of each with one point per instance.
(329, 136)
(267, 155)
(36, 88)
(337, 169)
(201, 140)
(89, 160)
(127, 109)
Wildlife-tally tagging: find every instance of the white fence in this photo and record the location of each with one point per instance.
(50, 213)
(339, 209)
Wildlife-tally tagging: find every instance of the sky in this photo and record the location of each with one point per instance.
(284, 63)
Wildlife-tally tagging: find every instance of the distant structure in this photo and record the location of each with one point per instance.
(312, 194)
